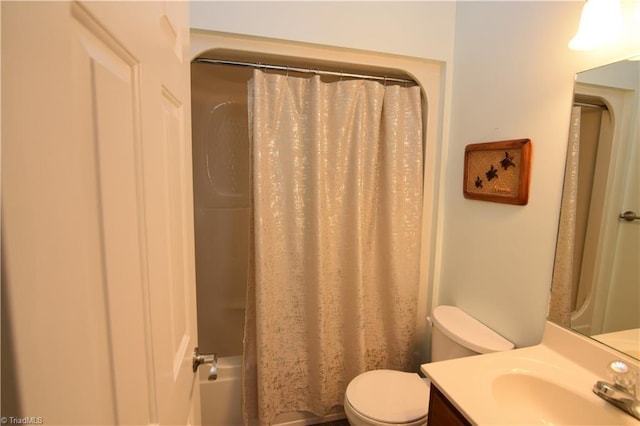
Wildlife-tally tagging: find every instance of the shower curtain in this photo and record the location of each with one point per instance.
(562, 291)
(336, 225)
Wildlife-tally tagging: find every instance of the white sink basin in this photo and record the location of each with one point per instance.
(536, 400)
(547, 384)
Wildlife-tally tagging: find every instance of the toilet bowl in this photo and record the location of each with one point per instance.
(387, 397)
(392, 398)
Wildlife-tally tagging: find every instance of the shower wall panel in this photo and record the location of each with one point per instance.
(221, 184)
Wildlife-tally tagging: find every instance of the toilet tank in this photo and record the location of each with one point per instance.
(457, 334)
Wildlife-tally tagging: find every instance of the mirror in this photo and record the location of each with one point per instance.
(596, 278)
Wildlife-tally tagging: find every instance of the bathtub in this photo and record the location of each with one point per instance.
(220, 399)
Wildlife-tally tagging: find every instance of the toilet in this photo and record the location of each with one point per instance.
(389, 397)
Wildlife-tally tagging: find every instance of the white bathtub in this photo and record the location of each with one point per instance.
(220, 399)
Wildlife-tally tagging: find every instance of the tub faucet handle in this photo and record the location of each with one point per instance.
(211, 359)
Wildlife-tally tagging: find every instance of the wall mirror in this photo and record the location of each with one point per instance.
(596, 277)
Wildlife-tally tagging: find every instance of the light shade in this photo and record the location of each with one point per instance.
(600, 23)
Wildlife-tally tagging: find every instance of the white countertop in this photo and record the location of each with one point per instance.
(550, 383)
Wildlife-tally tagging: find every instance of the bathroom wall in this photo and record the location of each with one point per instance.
(420, 29)
(513, 78)
(509, 75)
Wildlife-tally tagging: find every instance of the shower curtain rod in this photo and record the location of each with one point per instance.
(303, 70)
(584, 104)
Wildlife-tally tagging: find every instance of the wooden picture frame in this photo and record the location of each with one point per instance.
(498, 171)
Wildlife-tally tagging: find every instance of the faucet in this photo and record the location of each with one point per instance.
(622, 392)
(211, 359)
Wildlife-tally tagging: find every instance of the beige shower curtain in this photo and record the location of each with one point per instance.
(562, 283)
(337, 196)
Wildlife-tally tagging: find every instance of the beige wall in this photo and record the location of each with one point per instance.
(420, 29)
(509, 75)
(513, 78)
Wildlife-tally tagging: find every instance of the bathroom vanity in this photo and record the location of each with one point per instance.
(550, 383)
(443, 412)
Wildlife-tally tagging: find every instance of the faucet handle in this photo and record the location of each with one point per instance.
(624, 376)
(199, 359)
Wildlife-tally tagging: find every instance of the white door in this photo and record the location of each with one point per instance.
(98, 300)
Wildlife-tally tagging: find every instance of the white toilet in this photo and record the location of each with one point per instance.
(392, 398)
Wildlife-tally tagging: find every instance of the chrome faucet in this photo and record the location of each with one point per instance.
(211, 359)
(622, 392)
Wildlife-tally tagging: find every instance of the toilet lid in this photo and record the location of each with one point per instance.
(465, 330)
(389, 396)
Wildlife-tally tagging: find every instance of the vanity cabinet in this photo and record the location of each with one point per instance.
(442, 412)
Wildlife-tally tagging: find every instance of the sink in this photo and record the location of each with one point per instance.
(547, 384)
(536, 400)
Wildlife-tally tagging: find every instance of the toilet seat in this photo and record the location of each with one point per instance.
(381, 397)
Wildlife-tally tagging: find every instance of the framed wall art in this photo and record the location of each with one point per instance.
(498, 171)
